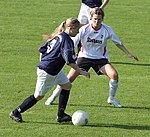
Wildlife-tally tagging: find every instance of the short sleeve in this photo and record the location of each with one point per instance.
(43, 48)
(114, 37)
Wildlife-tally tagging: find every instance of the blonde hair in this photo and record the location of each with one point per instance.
(65, 24)
(97, 11)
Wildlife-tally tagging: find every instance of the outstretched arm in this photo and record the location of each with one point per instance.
(123, 48)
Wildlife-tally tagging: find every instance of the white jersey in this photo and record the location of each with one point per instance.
(94, 42)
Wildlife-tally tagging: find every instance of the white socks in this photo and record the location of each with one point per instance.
(55, 94)
(113, 85)
(57, 91)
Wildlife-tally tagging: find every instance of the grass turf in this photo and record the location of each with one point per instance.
(22, 25)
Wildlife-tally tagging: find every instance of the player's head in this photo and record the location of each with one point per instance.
(72, 26)
(96, 17)
(97, 11)
(72, 22)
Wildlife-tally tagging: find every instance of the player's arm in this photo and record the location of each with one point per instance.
(123, 48)
(105, 2)
(119, 44)
(69, 56)
(80, 71)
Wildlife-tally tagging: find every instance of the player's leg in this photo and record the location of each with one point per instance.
(66, 85)
(54, 95)
(84, 14)
(64, 94)
(83, 18)
(111, 72)
(26, 104)
(63, 99)
(42, 86)
(71, 76)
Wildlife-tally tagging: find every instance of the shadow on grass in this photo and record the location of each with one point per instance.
(98, 125)
(131, 127)
(148, 108)
(49, 123)
(85, 105)
(111, 106)
(126, 63)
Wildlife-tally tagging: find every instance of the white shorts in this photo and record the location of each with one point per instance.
(45, 81)
(84, 14)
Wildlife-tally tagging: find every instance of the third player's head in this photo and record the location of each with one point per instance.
(96, 17)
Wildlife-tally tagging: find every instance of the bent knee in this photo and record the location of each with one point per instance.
(70, 86)
(114, 76)
(66, 86)
(38, 97)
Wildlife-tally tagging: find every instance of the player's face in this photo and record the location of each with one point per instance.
(96, 21)
(74, 30)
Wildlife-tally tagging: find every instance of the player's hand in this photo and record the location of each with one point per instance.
(85, 73)
(134, 57)
(101, 8)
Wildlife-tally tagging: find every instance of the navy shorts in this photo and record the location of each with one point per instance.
(96, 64)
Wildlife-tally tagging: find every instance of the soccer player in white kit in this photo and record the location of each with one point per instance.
(94, 53)
(84, 13)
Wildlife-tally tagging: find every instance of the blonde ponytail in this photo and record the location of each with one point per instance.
(69, 22)
(57, 31)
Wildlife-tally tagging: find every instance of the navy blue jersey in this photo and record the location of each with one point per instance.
(92, 3)
(57, 52)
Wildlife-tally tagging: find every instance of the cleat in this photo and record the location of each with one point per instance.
(64, 118)
(114, 102)
(16, 118)
(50, 101)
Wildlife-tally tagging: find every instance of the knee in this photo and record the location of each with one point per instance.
(38, 97)
(69, 86)
(115, 76)
(66, 86)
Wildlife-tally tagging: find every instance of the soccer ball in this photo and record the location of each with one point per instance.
(80, 118)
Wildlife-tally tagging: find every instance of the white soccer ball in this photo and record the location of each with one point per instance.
(80, 118)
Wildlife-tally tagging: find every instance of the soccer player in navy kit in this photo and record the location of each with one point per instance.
(55, 52)
(94, 54)
(86, 7)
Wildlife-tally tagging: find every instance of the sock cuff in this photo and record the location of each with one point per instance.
(114, 81)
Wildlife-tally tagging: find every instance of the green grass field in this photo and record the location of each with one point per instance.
(22, 24)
